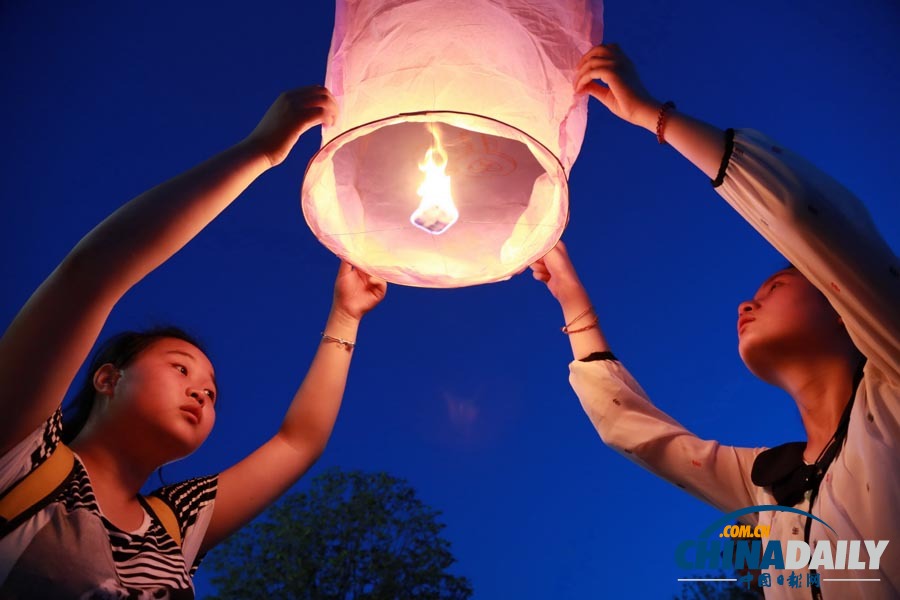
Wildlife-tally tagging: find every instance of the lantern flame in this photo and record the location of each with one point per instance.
(436, 212)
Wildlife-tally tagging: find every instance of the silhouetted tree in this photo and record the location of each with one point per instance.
(352, 536)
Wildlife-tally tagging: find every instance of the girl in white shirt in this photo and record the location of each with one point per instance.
(826, 330)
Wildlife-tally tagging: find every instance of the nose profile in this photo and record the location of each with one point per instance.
(746, 307)
(196, 395)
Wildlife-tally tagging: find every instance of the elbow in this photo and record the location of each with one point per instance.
(87, 267)
(81, 265)
(316, 451)
(608, 435)
(309, 445)
(794, 196)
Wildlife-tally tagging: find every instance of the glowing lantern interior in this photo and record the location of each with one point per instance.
(447, 165)
(437, 212)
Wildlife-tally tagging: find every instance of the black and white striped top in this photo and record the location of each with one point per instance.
(68, 549)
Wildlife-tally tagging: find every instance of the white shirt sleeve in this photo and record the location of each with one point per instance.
(629, 423)
(824, 231)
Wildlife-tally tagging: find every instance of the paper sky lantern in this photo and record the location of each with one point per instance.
(448, 163)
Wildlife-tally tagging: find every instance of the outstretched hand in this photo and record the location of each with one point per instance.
(557, 271)
(289, 117)
(623, 93)
(356, 292)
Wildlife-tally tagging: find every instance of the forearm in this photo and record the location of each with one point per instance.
(152, 227)
(699, 142)
(584, 343)
(313, 412)
(628, 422)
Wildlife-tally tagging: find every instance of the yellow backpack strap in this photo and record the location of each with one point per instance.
(166, 516)
(37, 485)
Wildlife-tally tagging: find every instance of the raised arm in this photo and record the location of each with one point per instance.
(626, 97)
(623, 415)
(44, 346)
(556, 270)
(811, 219)
(247, 488)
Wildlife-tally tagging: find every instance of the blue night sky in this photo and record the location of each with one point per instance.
(462, 392)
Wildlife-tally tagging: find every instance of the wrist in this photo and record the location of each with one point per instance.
(647, 115)
(256, 152)
(340, 323)
(574, 303)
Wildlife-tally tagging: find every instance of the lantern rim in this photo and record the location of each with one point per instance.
(549, 161)
(418, 113)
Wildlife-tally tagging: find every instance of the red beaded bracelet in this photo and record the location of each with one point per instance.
(661, 121)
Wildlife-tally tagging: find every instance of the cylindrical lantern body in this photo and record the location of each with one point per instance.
(485, 83)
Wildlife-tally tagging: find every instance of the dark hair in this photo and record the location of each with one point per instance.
(859, 352)
(120, 350)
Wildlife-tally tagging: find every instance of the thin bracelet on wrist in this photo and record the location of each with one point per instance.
(587, 327)
(661, 121)
(587, 311)
(347, 344)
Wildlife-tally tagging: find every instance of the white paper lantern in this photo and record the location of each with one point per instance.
(482, 88)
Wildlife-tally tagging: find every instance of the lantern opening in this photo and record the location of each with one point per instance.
(509, 194)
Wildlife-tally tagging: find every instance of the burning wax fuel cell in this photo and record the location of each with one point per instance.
(437, 212)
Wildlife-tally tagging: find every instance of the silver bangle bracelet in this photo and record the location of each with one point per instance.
(345, 343)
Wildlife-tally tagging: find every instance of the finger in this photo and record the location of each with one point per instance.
(320, 89)
(332, 109)
(541, 268)
(582, 79)
(317, 88)
(600, 92)
(601, 51)
(367, 277)
(300, 96)
(558, 261)
(603, 73)
(596, 63)
(322, 97)
(371, 279)
(318, 101)
(344, 268)
(323, 108)
(374, 282)
(544, 278)
(315, 115)
(538, 267)
(560, 265)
